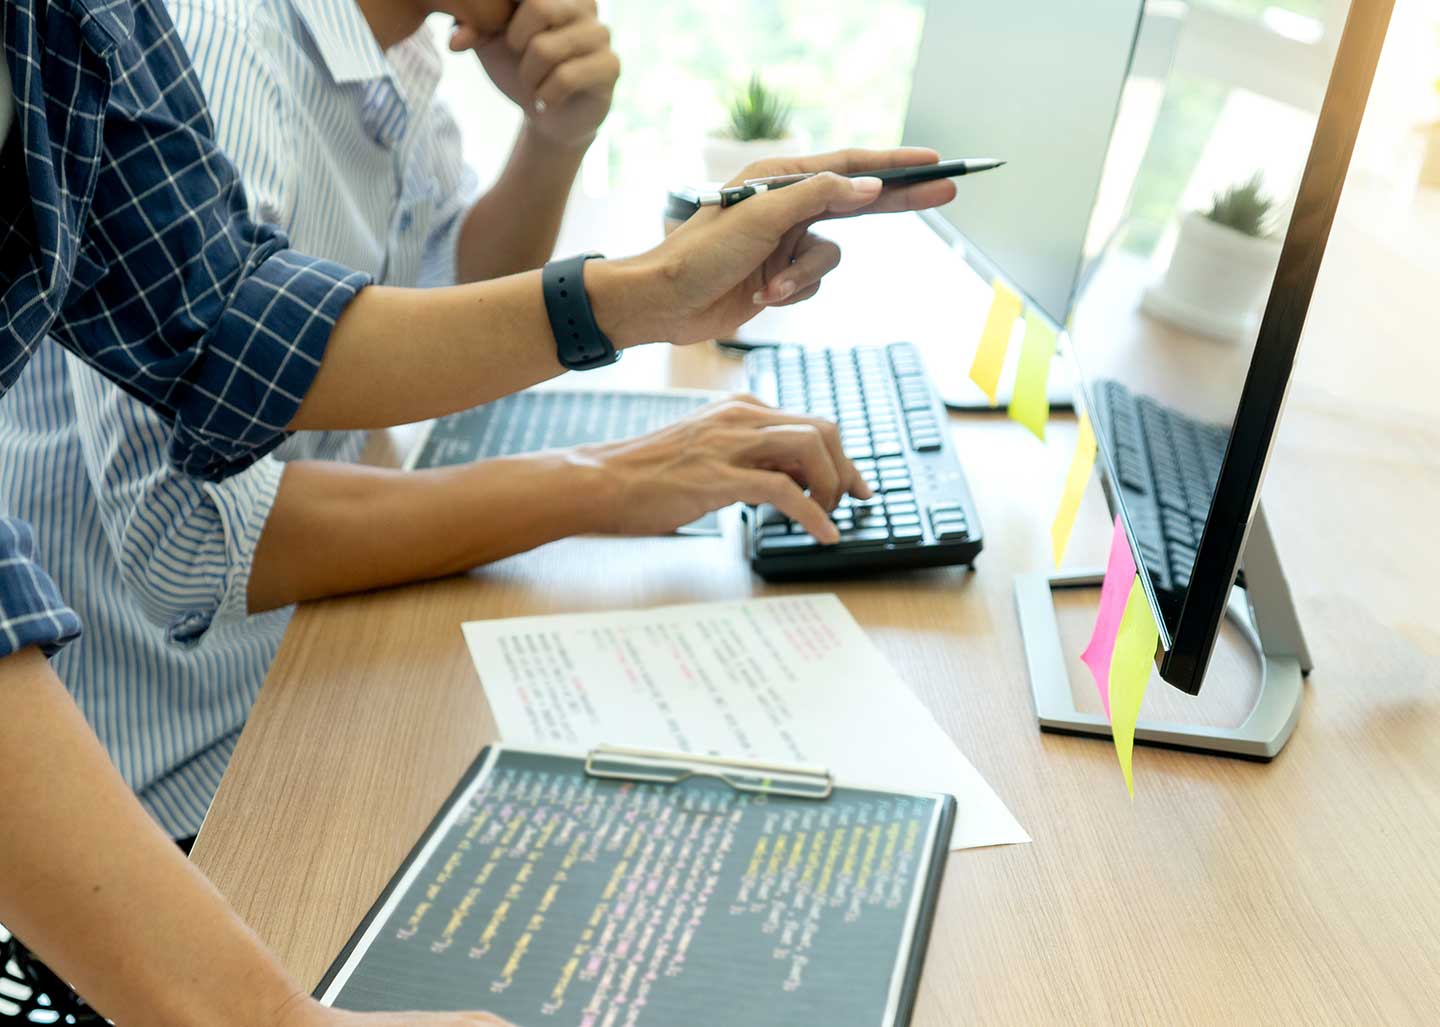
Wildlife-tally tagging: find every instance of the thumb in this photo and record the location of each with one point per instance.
(464, 37)
(776, 212)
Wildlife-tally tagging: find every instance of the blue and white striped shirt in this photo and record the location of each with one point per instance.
(347, 149)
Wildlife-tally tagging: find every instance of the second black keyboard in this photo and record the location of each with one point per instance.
(893, 426)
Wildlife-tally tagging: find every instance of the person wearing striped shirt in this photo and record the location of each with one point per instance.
(134, 248)
(328, 108)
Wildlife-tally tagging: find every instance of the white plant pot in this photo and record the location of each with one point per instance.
(725, 156)
(1430, 165)
(1218, 281)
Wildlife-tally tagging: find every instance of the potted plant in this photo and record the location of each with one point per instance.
(1224, 262)
(759, 126)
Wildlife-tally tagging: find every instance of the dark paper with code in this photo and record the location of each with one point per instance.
(560, 899)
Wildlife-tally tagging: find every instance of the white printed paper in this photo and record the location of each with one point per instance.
(790, 680)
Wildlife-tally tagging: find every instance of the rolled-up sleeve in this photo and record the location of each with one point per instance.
(31, 610)
(237, 400)
(179, 297)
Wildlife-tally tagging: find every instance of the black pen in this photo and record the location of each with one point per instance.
(889, 176)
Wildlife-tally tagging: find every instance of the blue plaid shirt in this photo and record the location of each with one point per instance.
(136, 253)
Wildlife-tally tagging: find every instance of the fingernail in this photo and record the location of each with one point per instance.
(867, 184)
(864, 491)
(785, 290)
(830, 535)
(759, 298)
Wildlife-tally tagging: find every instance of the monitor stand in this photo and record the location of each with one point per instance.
(1263, 610)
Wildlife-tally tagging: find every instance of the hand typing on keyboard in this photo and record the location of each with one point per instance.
(738, 450)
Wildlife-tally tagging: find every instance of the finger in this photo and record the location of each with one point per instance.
(781, 492)
(771, 214)
(463, 37)
(815, 258)
(764, 416)
(554, 47)
(920, 196)
(744, 398)
(596, 73)
(800, 297)
(784, 253)
(843, 162)
(536, 16)
(799, 451)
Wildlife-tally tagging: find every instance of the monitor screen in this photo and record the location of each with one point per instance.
(1035, 83)
(1183, 347)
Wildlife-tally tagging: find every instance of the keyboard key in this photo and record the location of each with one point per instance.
(870, 521)
(888, 448)
(895, 500)
(895, 485)
(770, 515)
(951, 532)
(908, 532)
(859, 452)
(787, 544)
(926, 443)
(863, 536)
(771, 530)
(902, 519)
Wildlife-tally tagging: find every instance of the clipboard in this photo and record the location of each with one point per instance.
(865, 951)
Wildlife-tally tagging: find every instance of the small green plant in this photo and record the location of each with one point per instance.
(1247, 208)
(757, 112)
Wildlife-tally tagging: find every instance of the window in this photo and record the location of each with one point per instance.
(846, 64)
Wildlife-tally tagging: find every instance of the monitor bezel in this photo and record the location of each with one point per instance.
(1262, 398)
(983, 265)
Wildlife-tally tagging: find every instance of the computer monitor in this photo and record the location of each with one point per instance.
(1035, 83)
(1185, 332)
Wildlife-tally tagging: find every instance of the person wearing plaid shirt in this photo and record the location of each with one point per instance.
(135, 252)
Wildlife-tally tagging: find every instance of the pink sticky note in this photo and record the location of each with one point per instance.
(1114, 593)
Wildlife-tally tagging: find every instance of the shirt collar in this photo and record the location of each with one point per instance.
(343, 37)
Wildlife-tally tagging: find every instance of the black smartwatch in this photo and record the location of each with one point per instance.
(579, 342)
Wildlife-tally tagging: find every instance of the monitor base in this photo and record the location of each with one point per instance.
(1265, 615)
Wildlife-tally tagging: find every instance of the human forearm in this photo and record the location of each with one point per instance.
(396, 356)
(513, 226)
(402, 355)
(337, 528)
(99, 892)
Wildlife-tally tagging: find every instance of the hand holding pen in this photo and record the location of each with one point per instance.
(889, 177)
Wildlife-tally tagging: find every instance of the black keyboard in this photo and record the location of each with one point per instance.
(1167, 465)
(893, 427)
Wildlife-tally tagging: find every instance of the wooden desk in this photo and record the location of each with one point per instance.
(1303, 891)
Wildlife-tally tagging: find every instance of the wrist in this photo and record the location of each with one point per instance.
(536, 140)
(588, 473)
(625, 296)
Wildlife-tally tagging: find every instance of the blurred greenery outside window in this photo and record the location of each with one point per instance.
(844, 64)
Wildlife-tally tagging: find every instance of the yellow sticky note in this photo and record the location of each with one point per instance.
(995, 340)
(1130, 673)
(1030, 403)
(1081, 464)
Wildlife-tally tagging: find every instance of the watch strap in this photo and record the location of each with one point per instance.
(579, 342)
